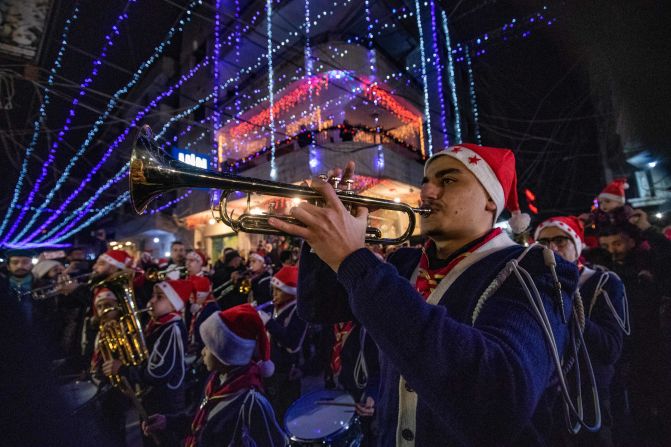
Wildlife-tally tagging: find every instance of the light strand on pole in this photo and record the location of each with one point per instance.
(451, 80)
(438, 67)
(158, 50)
(41, 116)
(51, 156)
(474, 99)
(271, 87)
(425, 83)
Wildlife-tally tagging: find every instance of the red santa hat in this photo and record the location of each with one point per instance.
(118, 258)
(200, 254)
(237, 336)
(201, 286)
(102, 294)
(178, 291)
(286, 279)
(615, 190)
(495, 170)
(258, 257)
(570, 225)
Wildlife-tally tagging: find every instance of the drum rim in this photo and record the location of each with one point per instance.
(341, 430)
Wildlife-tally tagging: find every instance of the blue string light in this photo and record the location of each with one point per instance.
(41, 116)
(451, 80)
(425, 83)
(51, 156)
(99, 215)
(91, 134)
(438, 67)
(271, 87)
(86, 207)
(474, 99)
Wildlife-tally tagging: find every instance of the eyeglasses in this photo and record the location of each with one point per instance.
(557, 241)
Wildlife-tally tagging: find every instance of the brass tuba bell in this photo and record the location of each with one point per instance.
(122, 338)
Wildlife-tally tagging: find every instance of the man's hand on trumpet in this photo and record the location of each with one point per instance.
(331, 230)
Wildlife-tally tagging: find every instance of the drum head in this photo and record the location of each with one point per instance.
(76, 394)
(311, 418)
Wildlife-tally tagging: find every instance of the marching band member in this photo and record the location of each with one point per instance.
(464, 324)
(606, 313)
(164, 370)
(233, 410)
(261, 292)
(113, 403)
(177, 259)
(202, 305)
(287, 331)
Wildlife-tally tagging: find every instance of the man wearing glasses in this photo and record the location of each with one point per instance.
(606, 312)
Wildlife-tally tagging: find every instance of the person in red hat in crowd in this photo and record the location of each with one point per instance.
(78, 296)
(610, 209)
(287, 332)
(201, 305)
(164, 371)
(261, 290)
(233, 410)
(606, 312)
(463, 324)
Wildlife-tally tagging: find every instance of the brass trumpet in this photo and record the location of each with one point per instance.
(153, 172)
(160, 275)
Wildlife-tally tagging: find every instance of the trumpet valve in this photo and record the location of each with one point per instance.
(335, 182)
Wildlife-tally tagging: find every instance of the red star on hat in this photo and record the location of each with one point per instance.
(456, 149)
(474, 160)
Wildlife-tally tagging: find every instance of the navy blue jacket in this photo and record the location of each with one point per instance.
(164, 371)
(246, 419)
(476, 385)
(287, 331)
(603, 333)
(197, 342)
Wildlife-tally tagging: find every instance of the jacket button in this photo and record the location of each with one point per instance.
(407, 434)
(408, 388)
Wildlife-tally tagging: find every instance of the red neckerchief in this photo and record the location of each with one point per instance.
(428, 278)
(154, 324)
(341, 332)
(249, 378)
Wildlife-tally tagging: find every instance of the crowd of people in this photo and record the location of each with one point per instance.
(464, 339)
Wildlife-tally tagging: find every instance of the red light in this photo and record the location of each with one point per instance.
(533, 208)
(529, 195)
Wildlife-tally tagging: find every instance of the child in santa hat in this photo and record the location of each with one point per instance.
(233, 410)
(201, 305)
(164, 371)
(287, 332)
(606, 312)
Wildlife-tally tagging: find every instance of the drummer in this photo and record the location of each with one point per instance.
(233, 410)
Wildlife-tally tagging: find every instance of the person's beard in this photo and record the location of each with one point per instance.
(20, 273)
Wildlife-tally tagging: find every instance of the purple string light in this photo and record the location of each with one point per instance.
(51, 157)
(169, 92)
(170, 203)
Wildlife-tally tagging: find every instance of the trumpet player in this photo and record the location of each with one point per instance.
(164, 371)
(470, 328)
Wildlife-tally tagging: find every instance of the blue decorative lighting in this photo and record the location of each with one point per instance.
(425, 82)
(271, 87)
(474, 99)
(450, 78)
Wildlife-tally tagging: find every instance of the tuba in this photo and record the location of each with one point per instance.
(122, 338)
(153, 172)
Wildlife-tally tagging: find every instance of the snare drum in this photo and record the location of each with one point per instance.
(324, 417)
(77, 394)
